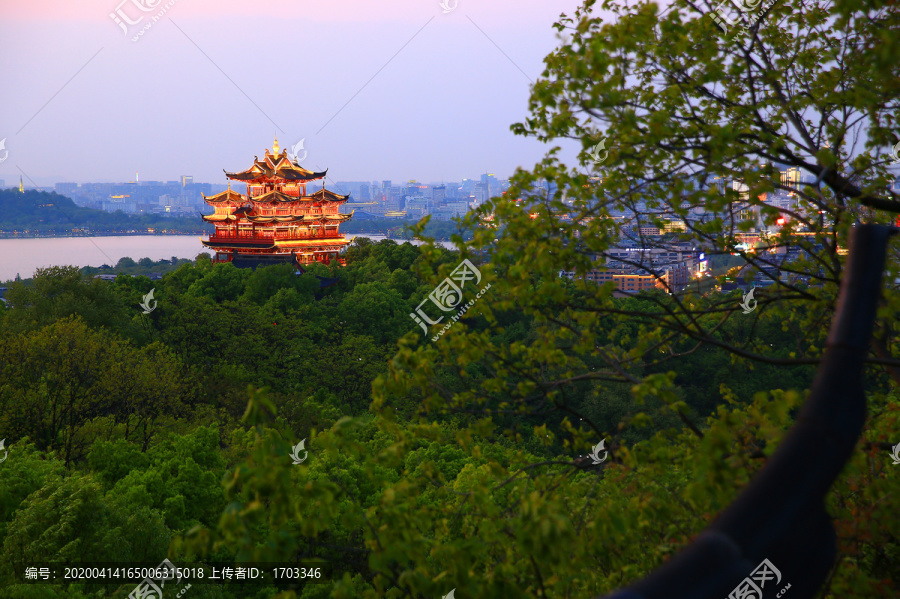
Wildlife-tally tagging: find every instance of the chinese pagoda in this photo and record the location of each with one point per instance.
(277, 220)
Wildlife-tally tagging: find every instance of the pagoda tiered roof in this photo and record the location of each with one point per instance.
(328, 196)
(306, 218)
(339, 218)
(249, 214)
(275, 167)
(277, 196)
(228, 195)
(217, 218)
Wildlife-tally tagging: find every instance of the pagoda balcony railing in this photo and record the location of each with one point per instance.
(320, 235)
(278, 236)
(238, 236)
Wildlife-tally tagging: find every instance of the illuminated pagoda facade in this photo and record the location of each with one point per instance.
(277, 220)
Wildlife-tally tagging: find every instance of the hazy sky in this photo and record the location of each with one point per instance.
(377, 90)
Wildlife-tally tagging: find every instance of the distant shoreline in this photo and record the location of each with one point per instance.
(8, 235)
(24, 255)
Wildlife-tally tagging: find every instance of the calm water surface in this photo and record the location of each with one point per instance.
(23, 256)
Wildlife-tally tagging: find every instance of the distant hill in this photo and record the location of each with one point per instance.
(40, 212)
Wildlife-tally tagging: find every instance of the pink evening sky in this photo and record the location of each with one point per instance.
(406, 89)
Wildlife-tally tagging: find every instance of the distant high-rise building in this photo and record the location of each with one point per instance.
(186, 180)
(414, 188)
(450, 210)
(491, 186)
(385, 191)
(717, 182)
(481, 192)
(742, 210)
(791, 178)
(438, 194)
(741, 188)
(452, 191)
(418, 206)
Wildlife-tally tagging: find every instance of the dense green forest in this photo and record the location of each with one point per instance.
(132, 434)
(40, 212)
(129, 266)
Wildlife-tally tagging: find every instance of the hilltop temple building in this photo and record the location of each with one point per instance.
(278, 220)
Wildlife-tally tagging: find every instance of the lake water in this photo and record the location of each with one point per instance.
(23, 256)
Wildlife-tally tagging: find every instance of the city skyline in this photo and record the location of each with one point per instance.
(410, 199)
(6, 183)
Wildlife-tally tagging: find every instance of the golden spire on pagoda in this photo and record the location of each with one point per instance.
(275, 145)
